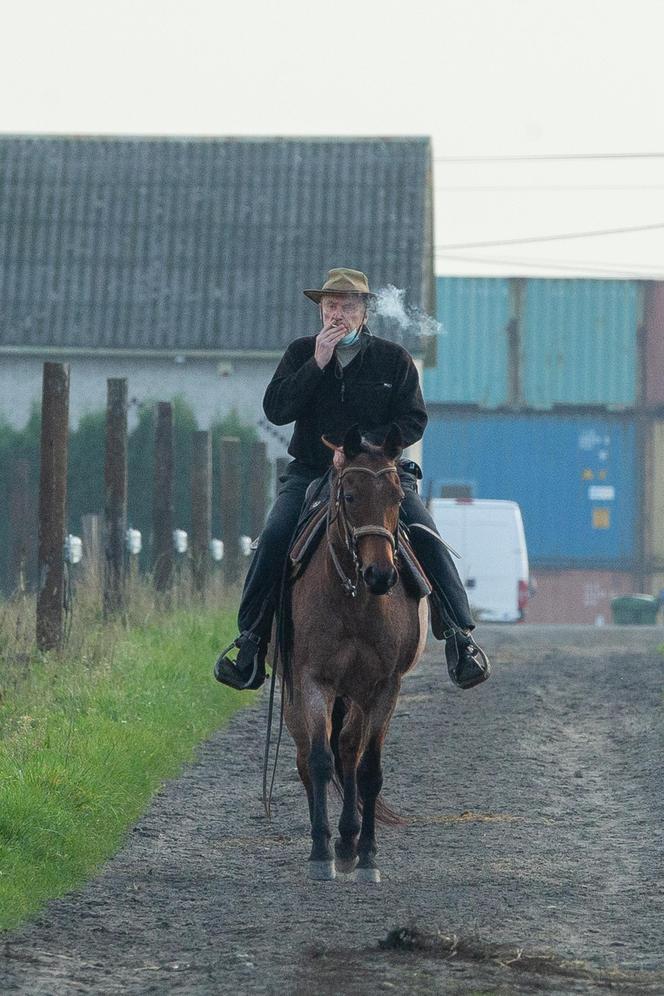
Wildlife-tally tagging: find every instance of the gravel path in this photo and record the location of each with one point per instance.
(536, 807)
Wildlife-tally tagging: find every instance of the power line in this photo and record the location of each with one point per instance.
(590, 267)
(550, 238)
(549, 187)
(549, 157)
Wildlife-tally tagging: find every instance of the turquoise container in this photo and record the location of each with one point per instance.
(472, 349)
(578, 342)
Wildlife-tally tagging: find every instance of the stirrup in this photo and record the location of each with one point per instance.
(227, 672)
(473, 669)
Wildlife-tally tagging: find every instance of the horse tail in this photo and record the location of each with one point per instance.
(384, 813)
(388, 816)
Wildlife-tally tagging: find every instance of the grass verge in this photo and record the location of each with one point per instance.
(86, 740)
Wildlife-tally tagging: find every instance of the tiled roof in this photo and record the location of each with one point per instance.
(201, 244)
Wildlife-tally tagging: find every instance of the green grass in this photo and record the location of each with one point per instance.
(86, 739)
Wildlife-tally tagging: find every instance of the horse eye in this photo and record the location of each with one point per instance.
(348, 498)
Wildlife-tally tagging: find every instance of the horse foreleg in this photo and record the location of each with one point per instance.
(303, 772)
(320, 764)
(349, 824)
(370, 782)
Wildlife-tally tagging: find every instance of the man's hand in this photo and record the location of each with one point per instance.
(326, 340)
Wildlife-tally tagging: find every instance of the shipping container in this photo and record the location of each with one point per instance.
(575, 597)
(654, 494)
(578, 342)
(657, 587)
(654, 344)
(574, 477)
(472, 363)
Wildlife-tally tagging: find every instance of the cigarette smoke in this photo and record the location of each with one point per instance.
(390, 305)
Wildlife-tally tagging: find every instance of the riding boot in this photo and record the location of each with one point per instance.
(467, 664)
(452, 621)
(246, 669)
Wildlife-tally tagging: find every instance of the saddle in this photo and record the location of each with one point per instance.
(311, 529)
(308, 535)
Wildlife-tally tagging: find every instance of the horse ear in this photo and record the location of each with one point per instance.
(330, 445)
(352, 444)
(393, 442)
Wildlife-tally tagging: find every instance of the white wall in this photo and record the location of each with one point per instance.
(212, 389)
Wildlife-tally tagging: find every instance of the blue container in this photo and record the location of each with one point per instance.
(579, 342)
(573, 476)
(472, 349)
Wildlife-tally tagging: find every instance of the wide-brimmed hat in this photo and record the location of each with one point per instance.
(342, 281)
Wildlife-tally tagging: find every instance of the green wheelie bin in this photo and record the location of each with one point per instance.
(635, 610)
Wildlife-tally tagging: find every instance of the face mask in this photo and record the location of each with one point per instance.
(350, 338)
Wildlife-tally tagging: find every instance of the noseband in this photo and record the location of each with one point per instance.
(353, 533)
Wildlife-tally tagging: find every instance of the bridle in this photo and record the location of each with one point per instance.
(350, 533)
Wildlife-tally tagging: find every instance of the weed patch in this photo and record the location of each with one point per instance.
(88, 734)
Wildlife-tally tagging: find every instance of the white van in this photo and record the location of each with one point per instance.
(489, 537)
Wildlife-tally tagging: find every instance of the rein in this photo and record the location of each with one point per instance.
(353, 533)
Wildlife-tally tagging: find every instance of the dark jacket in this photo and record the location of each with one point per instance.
(379, 386)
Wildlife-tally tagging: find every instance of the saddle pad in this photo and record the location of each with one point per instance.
(307, 539)
(413, 573)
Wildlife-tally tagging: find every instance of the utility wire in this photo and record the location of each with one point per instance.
(549, 157)
(549, 187)
(549, 238)
(628, 270)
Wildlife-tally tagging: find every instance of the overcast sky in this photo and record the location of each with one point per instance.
(482, 77)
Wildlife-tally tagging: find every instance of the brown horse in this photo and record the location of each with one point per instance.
(356, 632)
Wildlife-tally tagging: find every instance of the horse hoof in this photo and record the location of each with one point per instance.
(345, 866)
(367, 875)
(322, 871)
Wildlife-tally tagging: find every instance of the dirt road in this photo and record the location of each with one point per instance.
(536, 805)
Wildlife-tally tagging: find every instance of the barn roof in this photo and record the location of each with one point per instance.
(198, 244)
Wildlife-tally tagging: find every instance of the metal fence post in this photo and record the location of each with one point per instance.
(21, 511)
(52, 501)
(91, 530)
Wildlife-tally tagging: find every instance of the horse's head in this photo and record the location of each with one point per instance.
(367, 493)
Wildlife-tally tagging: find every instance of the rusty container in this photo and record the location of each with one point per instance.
(654, 344)
(576, 597)
(654, 495)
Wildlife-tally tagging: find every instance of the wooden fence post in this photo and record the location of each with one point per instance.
(52, 502)
(257, 488)
(201, 508)
(230, 502)
(115, 507)
(162, 501)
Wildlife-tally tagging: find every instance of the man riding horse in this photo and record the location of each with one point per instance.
(326, 383)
